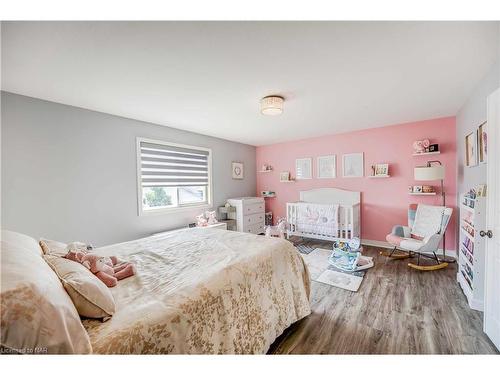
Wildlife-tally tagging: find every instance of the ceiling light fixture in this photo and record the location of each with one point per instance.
(271, 105)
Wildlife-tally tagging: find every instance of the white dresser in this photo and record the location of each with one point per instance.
(249, 215)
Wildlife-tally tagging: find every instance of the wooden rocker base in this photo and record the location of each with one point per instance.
(428, 268)
(387, 253)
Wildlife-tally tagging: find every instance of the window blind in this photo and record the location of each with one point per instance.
(172, 166)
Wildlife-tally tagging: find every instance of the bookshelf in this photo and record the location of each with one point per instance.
(471, 255)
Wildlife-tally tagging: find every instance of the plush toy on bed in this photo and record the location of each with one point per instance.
(211, 217)
(108, 269)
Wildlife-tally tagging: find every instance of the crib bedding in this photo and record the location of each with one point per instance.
(203, 291)
(318, 218)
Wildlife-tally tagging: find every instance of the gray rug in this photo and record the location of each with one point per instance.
(304, 249)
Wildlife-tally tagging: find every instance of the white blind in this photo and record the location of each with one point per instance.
(172, 166)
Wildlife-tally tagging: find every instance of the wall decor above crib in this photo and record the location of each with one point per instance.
(303, 169)
(327, 167)
(353, 165)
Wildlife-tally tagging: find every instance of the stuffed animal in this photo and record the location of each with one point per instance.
(108, 269)
(277, 230)
(211, 217)
(201, 221)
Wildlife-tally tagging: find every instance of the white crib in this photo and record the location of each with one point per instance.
(349, 223)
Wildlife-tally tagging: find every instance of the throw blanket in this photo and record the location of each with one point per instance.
(318, 218)
(428, 220)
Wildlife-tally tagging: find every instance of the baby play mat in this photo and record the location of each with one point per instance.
(321, 271)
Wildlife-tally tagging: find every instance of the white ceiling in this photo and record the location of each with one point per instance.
(208, 77)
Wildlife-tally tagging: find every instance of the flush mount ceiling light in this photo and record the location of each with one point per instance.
(271, 105)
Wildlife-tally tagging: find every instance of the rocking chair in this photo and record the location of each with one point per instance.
(425, 230)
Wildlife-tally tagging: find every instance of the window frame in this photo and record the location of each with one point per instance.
(184, 207)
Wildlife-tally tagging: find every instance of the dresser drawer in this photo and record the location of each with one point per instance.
(254, 228)
(255, 208)
(253, 219)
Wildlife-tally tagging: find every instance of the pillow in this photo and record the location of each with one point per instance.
(53, 247)
(91, 297)
(27, 242)
(37, 315)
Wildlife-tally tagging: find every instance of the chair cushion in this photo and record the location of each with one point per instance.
(409, 244)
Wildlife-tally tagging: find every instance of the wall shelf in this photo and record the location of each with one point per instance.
(285, 182)
(266, 171)
(422, 193)
(380, 176)
(426, 153)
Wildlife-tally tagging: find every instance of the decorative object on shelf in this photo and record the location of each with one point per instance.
(428, 189)
(433, 148)
(327, 166)
(482, 135)
(418, 189)
(227, 205)
(272, 105)
(481, 190)
(266, 168)
(268, 194)
(303, 169)
(380, 170)
(277, 230)
(285, 177)
(211, 217)
(237, 170)
(201, 221)
(425, 147)
(353, 165)
(434, 170)
(471, 149)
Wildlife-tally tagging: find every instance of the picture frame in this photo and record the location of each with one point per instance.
(237, 170)
(381, 169)
(482, 140)
(327, 167)
(284, 176)
(303, 169)
(471, 149)
(353, 165)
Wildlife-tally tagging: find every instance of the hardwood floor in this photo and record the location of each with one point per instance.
(397, 310)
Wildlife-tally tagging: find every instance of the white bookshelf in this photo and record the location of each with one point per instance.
(471, 255)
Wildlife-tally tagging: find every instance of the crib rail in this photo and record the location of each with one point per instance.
(348, 223)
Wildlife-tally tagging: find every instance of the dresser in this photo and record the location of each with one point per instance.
(249, 214)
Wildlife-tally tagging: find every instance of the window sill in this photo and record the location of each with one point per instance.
(166, 211)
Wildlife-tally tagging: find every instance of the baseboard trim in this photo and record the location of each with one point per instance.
(387, 245)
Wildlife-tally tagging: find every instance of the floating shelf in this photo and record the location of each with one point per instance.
(269, 196)
(285, 182)
(422, 193)
(380, 176)
(266, 171)
(427, 153)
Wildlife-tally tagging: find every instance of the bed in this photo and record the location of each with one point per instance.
(203, 291)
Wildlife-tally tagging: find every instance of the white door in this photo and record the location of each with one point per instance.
(492, 273)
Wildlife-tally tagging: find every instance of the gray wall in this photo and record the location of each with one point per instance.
(70, 174)
(471, 115)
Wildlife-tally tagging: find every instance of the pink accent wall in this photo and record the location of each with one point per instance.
(384, 201)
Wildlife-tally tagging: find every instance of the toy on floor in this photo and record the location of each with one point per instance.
(350, 261)
(108, 269)
(351, 245)
(278, 230)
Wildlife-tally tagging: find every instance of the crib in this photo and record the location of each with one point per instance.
(348, 223)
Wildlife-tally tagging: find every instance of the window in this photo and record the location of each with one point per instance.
(172, 176)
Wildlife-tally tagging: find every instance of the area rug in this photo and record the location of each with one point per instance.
(321, 271)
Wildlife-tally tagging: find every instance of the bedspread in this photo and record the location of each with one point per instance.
(203, 291)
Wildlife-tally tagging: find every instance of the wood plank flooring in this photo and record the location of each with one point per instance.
(397, 310)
